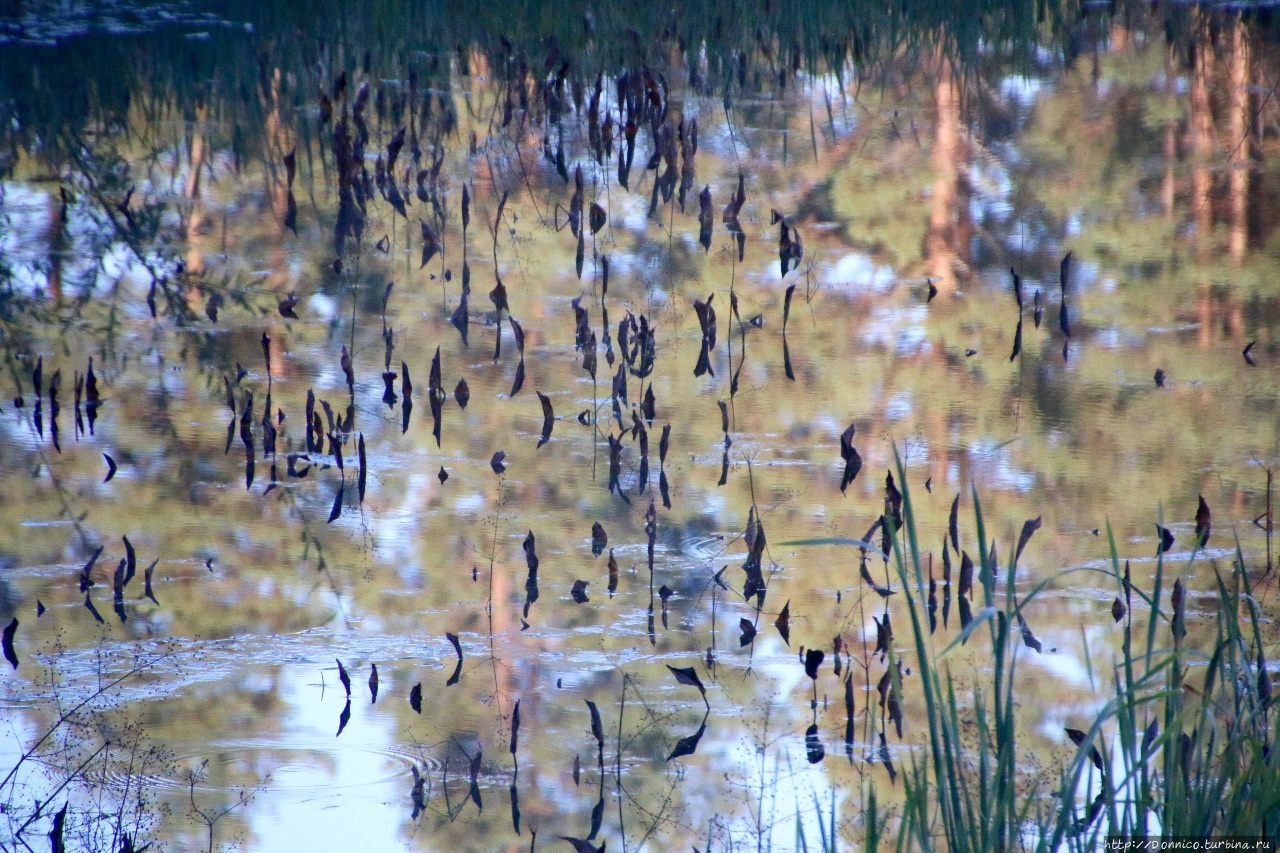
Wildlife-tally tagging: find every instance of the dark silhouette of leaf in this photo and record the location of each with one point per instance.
(613, 573)
(519, 380)
(748, 631)
(344, 678)
(86, 580)
(813, 748)
(1017, 341)
(783, 623)
(496, 462)
(1028, 638)
(597, 217)
(953, 524)
(363, 469)
(344, 717)
(577, 770)
(1017, 287)
(457, 647)
(530, 545)
(706, 217)
(812, 660)
(1039, 309)
(518, 331)
(146, 579)
(597, 727)
(1028, 528)
(882, 591)
(966, 575)
(689, 745)
(1078, 738)
(1204, 524)
(462, 393)
(1118, 609)
(1178, 624)
(9, 653)
(548, 417)
(579, 591)
(459, 318)
(111, 467)
(373, 683)
(515, 727)
(442, 475)
(581, 846)
(1149, 736)
(852, 460)
(1166, 540)
(430, 243)
(415, 697)
(599, 539)
(1245, 353)
(688, 675)
(88, 603)
(55, 834)
(337, 505)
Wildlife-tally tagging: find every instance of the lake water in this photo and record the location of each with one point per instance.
(197, 210)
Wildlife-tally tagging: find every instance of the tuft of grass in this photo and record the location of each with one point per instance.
(1182, 747)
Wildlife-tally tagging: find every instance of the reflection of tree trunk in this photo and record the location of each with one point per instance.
(191, 191)
(1170, 136)
(1201, 129)
(57, 244)
(942, 241)
(1238, 190)
(1204, 315)
(280, 141)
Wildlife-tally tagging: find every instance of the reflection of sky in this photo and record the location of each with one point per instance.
(310, 818)
(856, 271)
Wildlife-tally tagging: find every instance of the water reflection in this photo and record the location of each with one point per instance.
(233, 243)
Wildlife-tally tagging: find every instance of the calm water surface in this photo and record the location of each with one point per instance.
(195, 207)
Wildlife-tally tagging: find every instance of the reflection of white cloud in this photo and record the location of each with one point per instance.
(856, 269)
(899, 329)
(1023, 90)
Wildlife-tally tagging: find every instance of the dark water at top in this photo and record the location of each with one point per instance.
(195, 203)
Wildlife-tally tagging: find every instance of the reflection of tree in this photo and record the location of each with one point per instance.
(1200, 128)
(1237, 138)
(947, 239)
